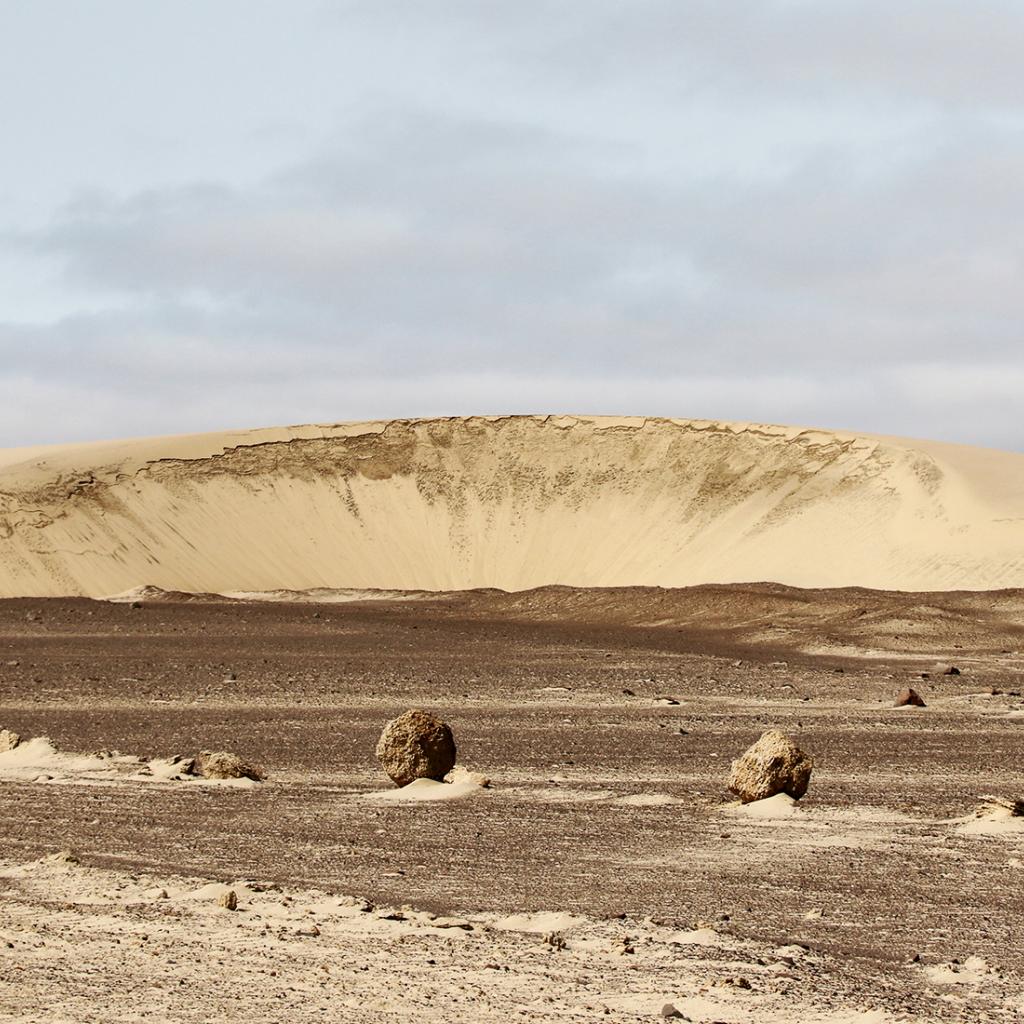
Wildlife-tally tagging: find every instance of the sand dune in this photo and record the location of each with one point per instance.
(508, 502)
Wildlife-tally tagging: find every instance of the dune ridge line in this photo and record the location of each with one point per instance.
(511, 502)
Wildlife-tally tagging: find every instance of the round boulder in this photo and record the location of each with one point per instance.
(774, 764)
(416, 745)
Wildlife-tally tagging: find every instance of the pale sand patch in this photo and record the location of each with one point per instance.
(771, 808)
(645, 800)
(973, 971)
(541, 923)
(706, 937)
(149, 947)
(998, 822)
(742, 1009)
(38, 760)
(557, 795)
(428, 791)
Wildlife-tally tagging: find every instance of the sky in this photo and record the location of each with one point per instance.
(236, 213)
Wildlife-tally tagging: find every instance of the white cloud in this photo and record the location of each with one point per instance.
(790, 212)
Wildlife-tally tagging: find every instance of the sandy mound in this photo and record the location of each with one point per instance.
(773, 765)
(38, 760)
(510, 502)
(997, 817)
(769, 808)
(429, 791)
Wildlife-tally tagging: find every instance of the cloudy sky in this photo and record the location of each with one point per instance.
(224, 213)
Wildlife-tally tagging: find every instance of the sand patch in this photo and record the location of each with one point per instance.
(645, 800)
(558, 795)
(973, 971)
(39, 761)
(542, 923)
(706, 937)
(171, 948)
(995, 820)
(773, 808)
(428, 791)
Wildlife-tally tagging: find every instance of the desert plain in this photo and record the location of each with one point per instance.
(605, 873)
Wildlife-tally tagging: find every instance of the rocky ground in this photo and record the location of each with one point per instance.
(606, 720)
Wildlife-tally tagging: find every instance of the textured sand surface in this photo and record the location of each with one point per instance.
(606, 722)
(509, 502)
(293, 954)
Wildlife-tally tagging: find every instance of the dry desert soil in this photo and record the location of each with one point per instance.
(604, 873)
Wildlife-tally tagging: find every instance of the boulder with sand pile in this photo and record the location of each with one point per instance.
(416, 745)
(773, 765)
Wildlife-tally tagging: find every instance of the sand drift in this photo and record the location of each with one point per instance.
(510, 503)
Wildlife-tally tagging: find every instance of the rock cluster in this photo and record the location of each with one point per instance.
(774, 764)
(416, 745)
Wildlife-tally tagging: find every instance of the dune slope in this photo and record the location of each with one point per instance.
(509, 502)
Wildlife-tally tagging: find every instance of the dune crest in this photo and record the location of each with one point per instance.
(510, 502)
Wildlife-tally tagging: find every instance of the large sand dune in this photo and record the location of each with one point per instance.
(509, 502)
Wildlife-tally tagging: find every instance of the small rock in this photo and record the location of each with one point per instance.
(452, 922)
(61, 857)
(228, 900)
(8, 740)
(185, 765)
(457, 775)
(416, 745)
(908, 697)
(774, 764)
(221, 764)
(669, 1012)
(952, 671)
(737, 982)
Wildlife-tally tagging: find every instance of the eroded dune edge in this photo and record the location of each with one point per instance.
(510, 503)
